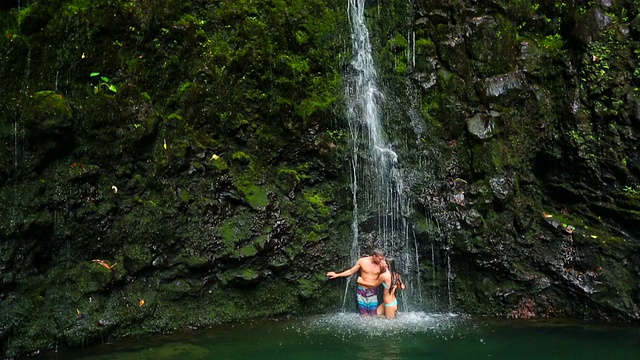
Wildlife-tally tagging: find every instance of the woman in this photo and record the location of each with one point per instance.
(391, 282)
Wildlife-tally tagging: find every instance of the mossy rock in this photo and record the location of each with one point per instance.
(48, 117)
(240, 277)
(196, 262)
(235, 230)
(219, 163)
(288, 180)
(90, 277)
(254, 194)
(241, 158)
(244, 252)
(136, 257)
(307, 288)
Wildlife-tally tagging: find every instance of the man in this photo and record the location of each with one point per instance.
(370, 268)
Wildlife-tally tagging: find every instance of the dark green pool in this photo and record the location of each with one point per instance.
(412, 336)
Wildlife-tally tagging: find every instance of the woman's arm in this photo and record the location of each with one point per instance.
(369, 284)
(400, 282)
(382, 277)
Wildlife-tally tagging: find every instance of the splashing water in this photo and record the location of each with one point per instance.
(345, 325)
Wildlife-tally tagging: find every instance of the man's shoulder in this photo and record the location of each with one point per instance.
(366, 260)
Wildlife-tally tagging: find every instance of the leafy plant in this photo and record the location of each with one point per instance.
(104, 83)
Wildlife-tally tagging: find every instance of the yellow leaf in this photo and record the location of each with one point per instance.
(165, 144)
(594, 237)
(214, 157)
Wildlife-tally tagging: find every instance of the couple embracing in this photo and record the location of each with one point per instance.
(375, 270)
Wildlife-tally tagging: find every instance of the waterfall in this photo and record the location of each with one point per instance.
(379, 207)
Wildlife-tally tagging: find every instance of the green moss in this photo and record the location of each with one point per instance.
(551, 44)
(249, 274)
(301, 37)
(75, 6)
(316, 202)
(89, 277)
(137, 256)
(288, 179)
(247, 251)
(241, 158)
(196, 262)
(255, 195)
(312, 237)
(174, 117)
(48, 113)
(240, 276)
(260, 242)
(425, 46)
(306, 288)
(234, 230)
(324, 95)
(186, 86)
(219, 163)
(184, 195)
(425, 225)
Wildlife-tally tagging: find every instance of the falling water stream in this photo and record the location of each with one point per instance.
(377, 186)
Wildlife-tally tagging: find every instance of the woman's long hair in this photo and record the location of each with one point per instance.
(396, 279)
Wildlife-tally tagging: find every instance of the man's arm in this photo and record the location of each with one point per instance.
(353, 270)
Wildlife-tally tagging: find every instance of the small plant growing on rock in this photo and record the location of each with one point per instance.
(104, 83)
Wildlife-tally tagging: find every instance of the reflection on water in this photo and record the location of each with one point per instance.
(410, 337)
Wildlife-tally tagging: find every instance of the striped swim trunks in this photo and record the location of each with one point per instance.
(367, 301)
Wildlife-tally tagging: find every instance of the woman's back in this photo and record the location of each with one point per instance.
(387, 295)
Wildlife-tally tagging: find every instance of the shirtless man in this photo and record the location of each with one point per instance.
(370, 268)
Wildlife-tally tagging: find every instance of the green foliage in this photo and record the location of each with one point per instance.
(75, 6)
(103, 83)
(596, 68)
(551, 43)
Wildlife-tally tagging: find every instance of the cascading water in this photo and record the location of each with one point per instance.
(379, 206)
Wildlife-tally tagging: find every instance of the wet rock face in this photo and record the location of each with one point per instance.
(529, 105)
(480, 126)
(589, 26)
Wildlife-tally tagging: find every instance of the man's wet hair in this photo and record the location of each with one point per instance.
(377, 252)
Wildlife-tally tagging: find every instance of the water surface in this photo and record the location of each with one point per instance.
(410, 337)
